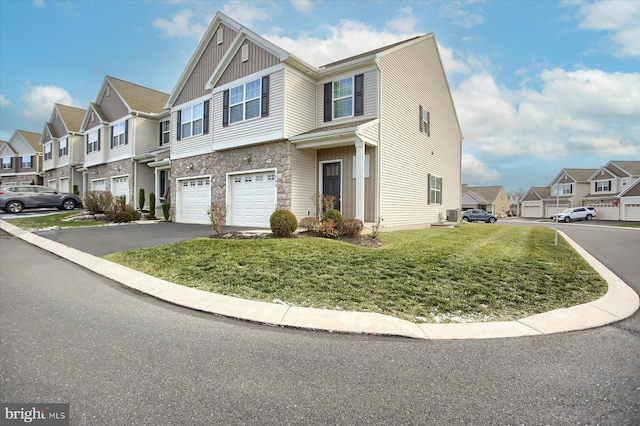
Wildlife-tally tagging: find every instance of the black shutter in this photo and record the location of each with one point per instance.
(111, 136)
(179, 130)
(205, 117)
(225, 108)
(160, 133)
(358, 108)
(421, 121)
(428, 187)
(328, 88)
(265, 96)
(428, 124)
(86, 139)
(98, 146)
(126, 132)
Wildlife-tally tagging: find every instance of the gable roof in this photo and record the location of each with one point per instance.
(632, 191)
(93, 108)
(619, 169)
(33, 139)
(5, 147)
(577, 175)
(489, 193)
(71, 117)
(137, 98)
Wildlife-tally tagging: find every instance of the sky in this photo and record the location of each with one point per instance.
(538, 86)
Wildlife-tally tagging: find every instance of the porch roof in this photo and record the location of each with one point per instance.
(334, 136)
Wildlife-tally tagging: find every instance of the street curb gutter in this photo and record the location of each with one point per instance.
(619, 303)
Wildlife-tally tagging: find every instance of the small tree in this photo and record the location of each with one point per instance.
(141, 199)
(218, 216)
(152, 205)
(166, 210)
(323, 203)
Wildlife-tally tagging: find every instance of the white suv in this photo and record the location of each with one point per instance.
(576, 213)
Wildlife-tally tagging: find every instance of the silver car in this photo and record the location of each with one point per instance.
(14, 199)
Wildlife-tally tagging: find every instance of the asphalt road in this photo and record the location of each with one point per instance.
(118, 357)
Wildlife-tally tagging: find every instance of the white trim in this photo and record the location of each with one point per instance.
(192, 102)
(243, 80)
(230, 175)
(255, 140)
(207, 150)
(178, 191)
(321, 177)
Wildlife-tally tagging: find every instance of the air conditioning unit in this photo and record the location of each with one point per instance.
(452, 215)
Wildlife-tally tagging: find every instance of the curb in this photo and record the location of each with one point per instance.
(620, 302)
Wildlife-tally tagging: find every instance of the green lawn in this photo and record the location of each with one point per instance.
(35, 223)
(474, 272)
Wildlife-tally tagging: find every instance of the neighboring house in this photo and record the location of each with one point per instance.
(606, 186)
(492, 199)
(21, 159)
(532, 204)
(126, 140)
(572, 186)
(63, 149)
(256, 128)
(630, 202)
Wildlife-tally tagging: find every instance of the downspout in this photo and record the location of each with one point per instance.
(377, 219)
(135, 163)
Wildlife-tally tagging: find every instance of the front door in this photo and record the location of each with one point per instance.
(331, 181)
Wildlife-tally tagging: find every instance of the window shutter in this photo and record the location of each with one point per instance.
(160, 134)
(179, 131)
(358, 108)
(98, 148)
(205, 117)
(428, 124)
(265, 96)
(126, 132)
(421, 121)
(440, 193)
(225, 108)
(86, 141)
(111, 136)
(428, 185)
(327, 101)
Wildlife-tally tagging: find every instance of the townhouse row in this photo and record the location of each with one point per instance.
(614, 190)
(256, 128)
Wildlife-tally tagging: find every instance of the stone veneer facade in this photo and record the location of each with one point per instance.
(110, 170)
(275, 155)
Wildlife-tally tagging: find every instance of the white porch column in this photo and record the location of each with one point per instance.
(359, 171)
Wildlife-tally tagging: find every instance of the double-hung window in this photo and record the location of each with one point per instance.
(603, 186)
(435, 190)
(48, 152)
(244, 101)
(191, 119)
(566, 189)
(343, 98)
(26, 162)
(118, 134)
(6, 162)
(63, 148)
(165, 135)
(93, 141)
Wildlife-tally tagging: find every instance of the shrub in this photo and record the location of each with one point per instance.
(98, 201)
(335, 215)
(327, 229)
(323, 202)
(218, 216)
(141, 199)
(352, 227)
(121, 217)
(166, 210)
(75, 190)
(135, 214)
(283, 223)
(310, 223)
(152, 205)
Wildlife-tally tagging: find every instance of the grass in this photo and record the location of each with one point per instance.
(630, 225)
(469, 273)
(35, 223)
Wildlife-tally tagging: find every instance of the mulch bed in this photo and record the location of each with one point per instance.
(360, 240)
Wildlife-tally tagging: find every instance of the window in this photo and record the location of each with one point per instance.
(93, 141)
(165, 135)
(63, 149)
(26, 162)
(244, 101)
(566, 189)
(6, 162)
(603, 186)
(344, 98)
(48, 152)
(624, 182)
(193, 120)
(425, 121)
(435, 190)
(119, 134)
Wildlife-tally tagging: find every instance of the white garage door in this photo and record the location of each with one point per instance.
(253, 199)
(64, 185)
(552, 209)
(120, 187)
(632, 212)
(98, 185)
(52, 184)
(195, 200)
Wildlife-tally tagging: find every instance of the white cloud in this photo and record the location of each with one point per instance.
(245, 13)
(460, 16)
(404, 23)
(302, 6)
(346, 39)
(37, 101)
(619, 18)
(4, 101)
(38, 3)
(180, 26)
(475, 172)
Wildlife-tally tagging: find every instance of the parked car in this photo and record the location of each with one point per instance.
(576, 213)
(14, 199)
(476, 215)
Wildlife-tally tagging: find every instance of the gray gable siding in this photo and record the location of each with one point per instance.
(112, 106)
(213, 53)
(259, 59)
(59, 127)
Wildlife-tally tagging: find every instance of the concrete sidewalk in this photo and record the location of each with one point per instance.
(619, 303)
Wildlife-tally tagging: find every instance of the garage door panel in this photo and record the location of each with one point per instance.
(120, 187)
(253, 199)
(632, 212)
(195, 200)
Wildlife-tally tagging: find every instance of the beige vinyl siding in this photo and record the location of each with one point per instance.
(370, 98)
(112, 106)
(194, 87)
(77, 148)
(411, 77)
(122, 151)
(348, 196)
(64, 160)
(304, 177)
(371, 132)
(299, 101)
(257, 130)
(259, 59)
(147, 136)
(193, 145)
(96, 157)
(58, 126)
